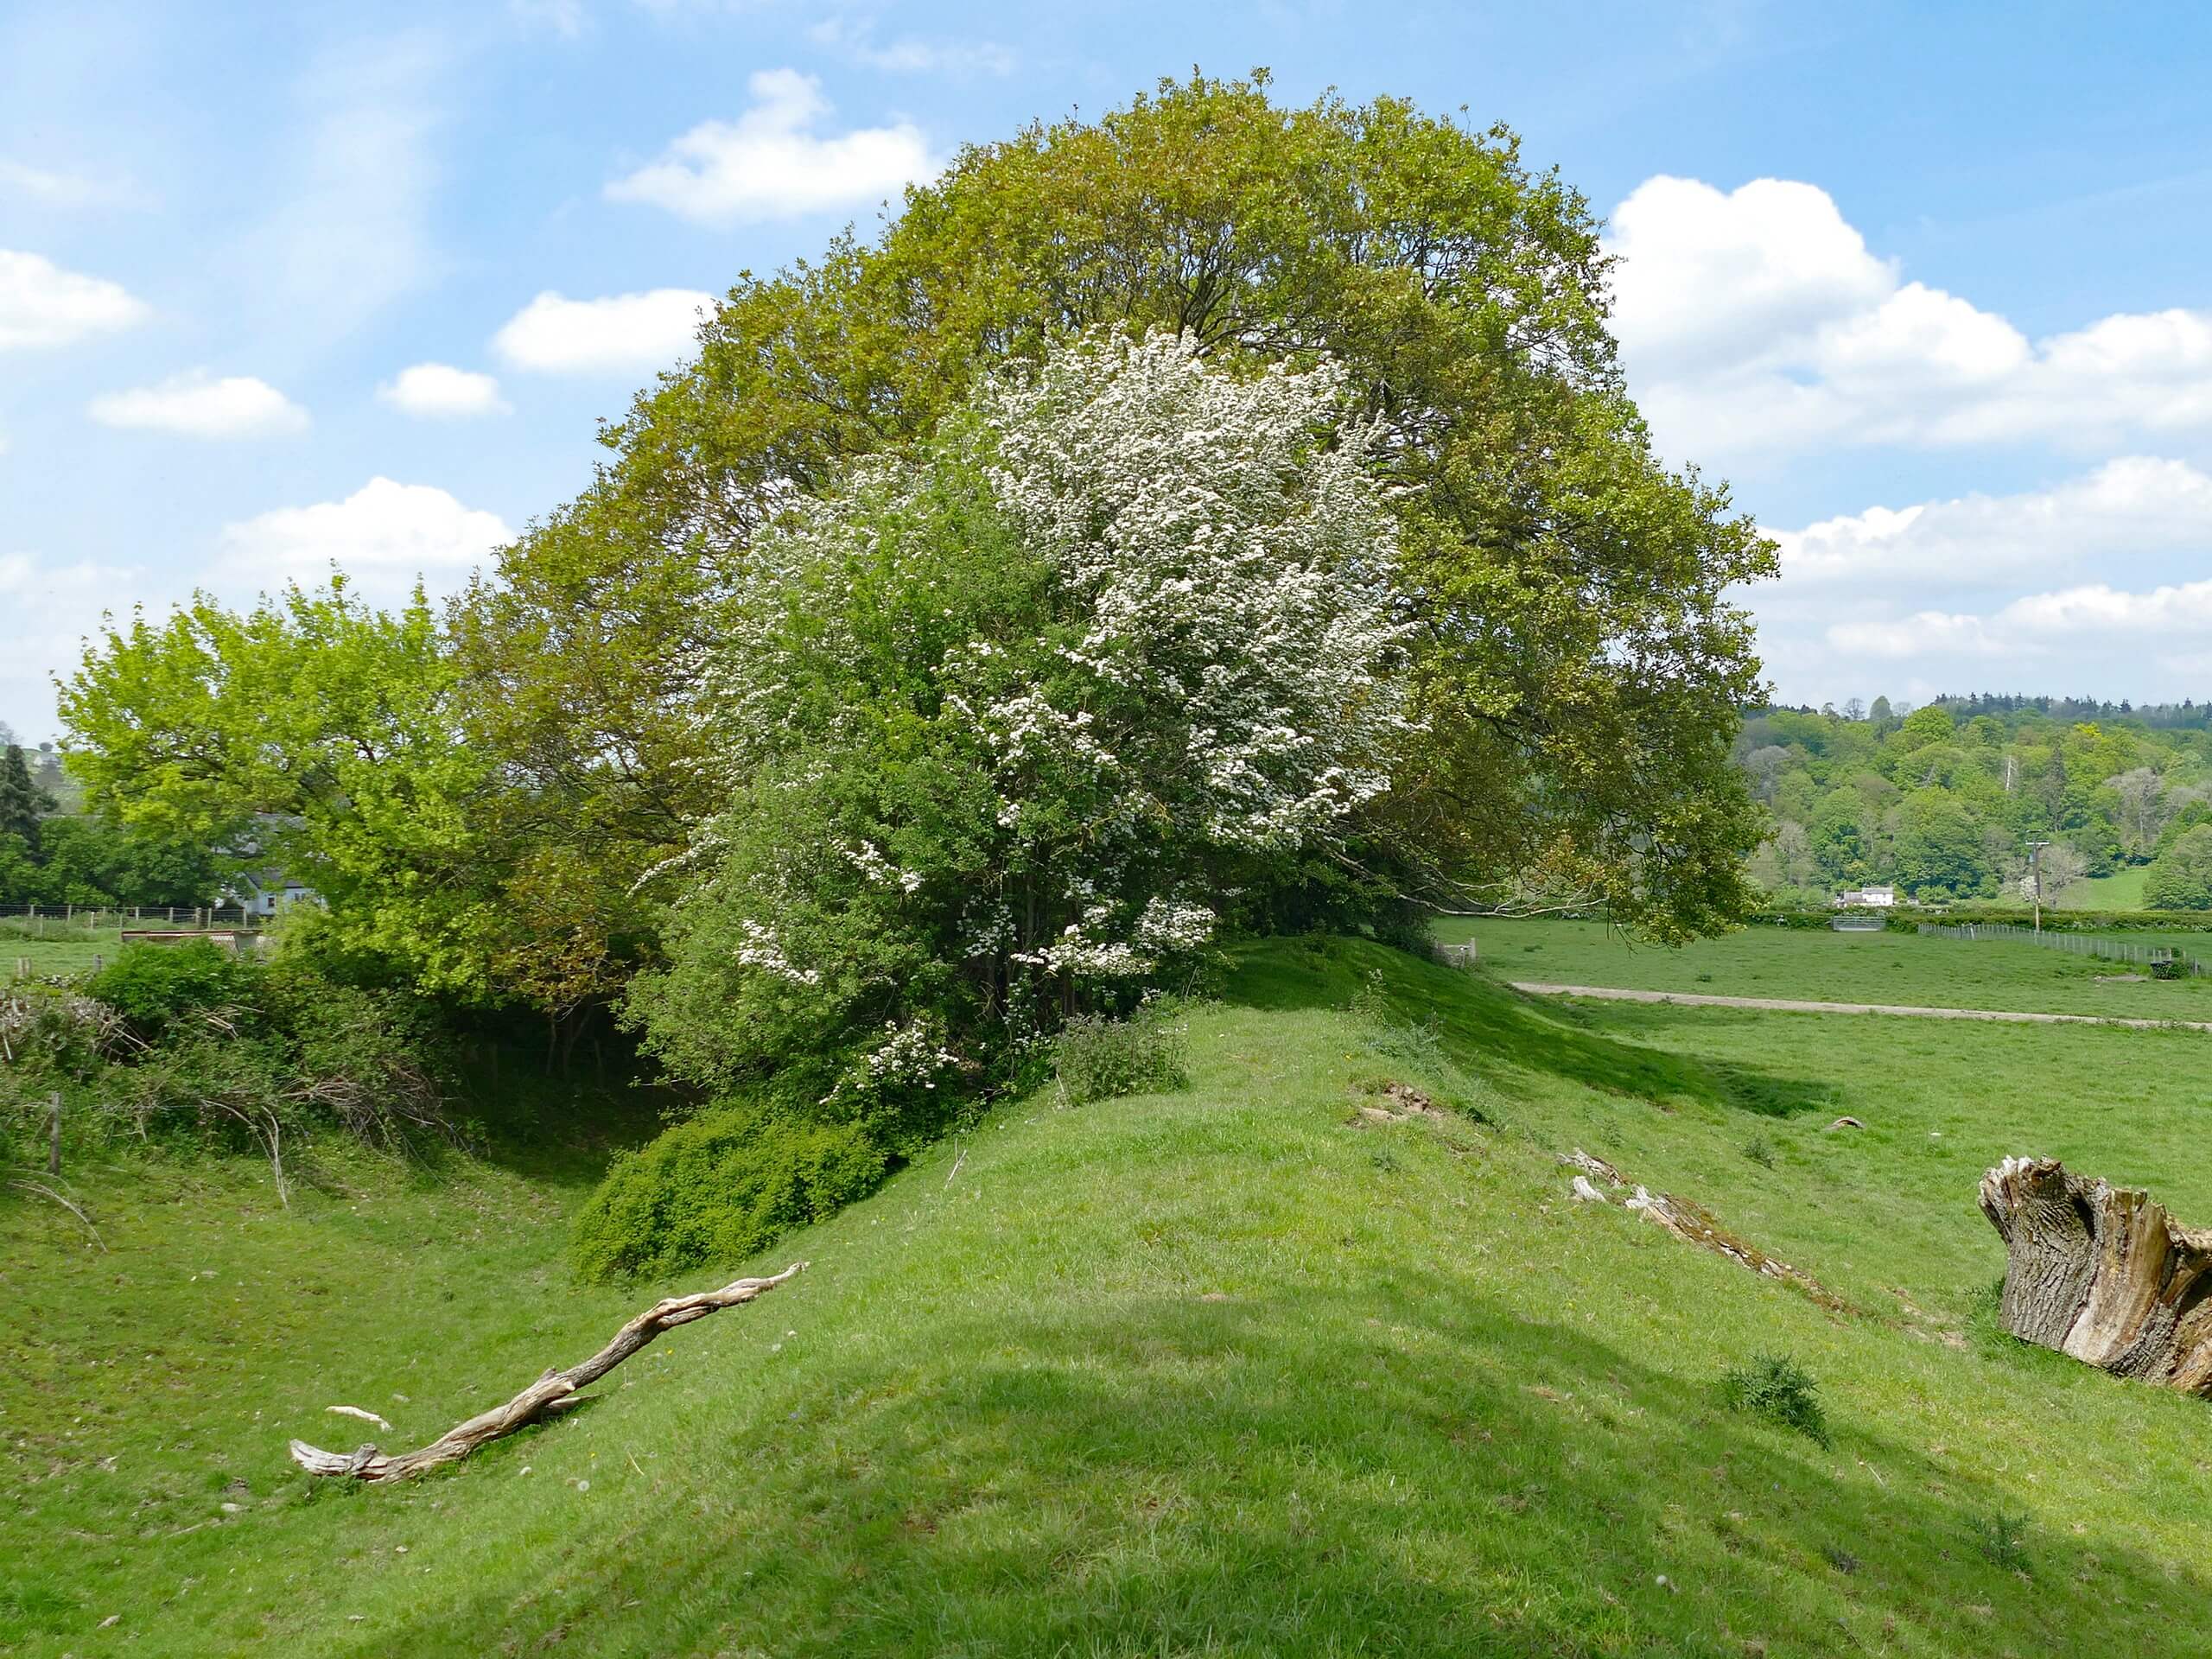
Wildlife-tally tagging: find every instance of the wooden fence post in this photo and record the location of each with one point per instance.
(54, 1139)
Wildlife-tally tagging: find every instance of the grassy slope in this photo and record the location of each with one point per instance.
(1215, 1372)
(1826, 966)
(2123, 890)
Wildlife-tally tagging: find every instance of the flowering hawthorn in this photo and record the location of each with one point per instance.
(998, 722)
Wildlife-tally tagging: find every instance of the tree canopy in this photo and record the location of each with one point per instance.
(510, 800)
(1574, 662)
(1002, 723)
(1945, 803)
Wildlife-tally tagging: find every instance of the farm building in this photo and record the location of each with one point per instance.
(1866, 898)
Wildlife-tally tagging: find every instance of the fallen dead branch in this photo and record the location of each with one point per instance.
(1693, 1224)
(365, 1416)
(552, 1394)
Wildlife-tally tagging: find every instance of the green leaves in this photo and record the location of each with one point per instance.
(313, 735)
(1579, 663)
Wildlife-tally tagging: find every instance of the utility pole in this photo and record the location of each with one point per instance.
(2034, 865)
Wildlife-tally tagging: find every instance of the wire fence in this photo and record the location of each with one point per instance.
(57, 920)
(2156, 956)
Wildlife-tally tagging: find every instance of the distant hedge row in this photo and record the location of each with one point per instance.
(1905, 919)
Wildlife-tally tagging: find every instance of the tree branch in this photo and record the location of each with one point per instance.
(549, 1395)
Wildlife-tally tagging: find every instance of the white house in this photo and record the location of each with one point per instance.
(264, 893)
(1873, 897)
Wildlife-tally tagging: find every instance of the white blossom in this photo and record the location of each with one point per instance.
(1224, 668)
(760, 950)
(880, 871)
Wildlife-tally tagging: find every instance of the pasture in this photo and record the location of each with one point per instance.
(1820, 965)
(1235, 1369)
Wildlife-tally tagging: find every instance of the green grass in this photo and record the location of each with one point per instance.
(2123, 890)
(54, 950)
(1232, 1369)
(1818, 965)
(52, 947)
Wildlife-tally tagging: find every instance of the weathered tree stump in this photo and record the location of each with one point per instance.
(2102, 1273)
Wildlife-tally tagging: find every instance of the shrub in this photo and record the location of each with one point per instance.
(157, 987)
(1778, 1389)
(1759, 1152)
(196, 1038)
(717, 1189)
(1100, 1059)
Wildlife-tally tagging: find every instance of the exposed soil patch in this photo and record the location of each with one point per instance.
(1397, 1103)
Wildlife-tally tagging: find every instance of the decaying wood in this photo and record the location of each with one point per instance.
(1693, 1224)
(365, 1416)
(552, 1394)
(2102, 1273)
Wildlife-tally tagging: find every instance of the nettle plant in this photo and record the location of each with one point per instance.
(1002, 723)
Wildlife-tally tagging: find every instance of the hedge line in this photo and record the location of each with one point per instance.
(1906, 919)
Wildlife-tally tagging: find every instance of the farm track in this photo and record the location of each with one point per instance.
(1784, 1005)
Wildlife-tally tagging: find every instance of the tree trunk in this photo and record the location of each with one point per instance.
(2102, 1273)
(549, 1395)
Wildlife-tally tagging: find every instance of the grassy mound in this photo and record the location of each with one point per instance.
(1239, 1368)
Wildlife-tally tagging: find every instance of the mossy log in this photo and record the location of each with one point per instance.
(2102, 1273)
(552, 1394)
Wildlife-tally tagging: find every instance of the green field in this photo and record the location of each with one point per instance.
(1819, 965)
(1230, 1371)
(2121, 891)
(54, 949)
(57, 951)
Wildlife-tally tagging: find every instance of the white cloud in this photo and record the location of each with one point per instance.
(856, 39)
(2091, 584)
(622, 334)
(50, 607)
(769, 165)
(2131, 508)
(194, 406)
(383, 537)
(438, 391)
(1758, 319)
(2162, 629)
(41, 304)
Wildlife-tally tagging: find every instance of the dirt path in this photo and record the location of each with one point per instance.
(1617, 993)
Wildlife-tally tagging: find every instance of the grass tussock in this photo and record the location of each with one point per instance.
(1777, 1390)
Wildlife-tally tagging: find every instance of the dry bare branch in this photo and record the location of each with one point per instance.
(550, 1394)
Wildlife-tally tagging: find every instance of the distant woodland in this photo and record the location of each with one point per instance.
(1944, 800)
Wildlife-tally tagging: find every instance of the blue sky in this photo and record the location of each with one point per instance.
(1928, 285)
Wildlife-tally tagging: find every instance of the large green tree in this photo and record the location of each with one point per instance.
(313, 734)
(2181, 876)
(22, 803)
(1577, 666)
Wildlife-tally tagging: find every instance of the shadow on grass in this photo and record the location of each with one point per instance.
(1399, 1465)
(1479, 1020)
(561, 1131)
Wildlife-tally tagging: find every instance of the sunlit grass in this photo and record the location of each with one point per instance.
(1818, 965)
(1232, 1369)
